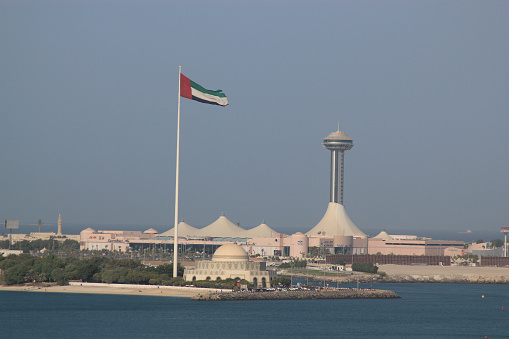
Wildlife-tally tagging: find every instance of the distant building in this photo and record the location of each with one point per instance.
(336, 229)
(9, 252)
(384, 243)
(16, 237)
(231, 261)
(91, 239)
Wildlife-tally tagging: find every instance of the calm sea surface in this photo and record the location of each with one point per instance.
(425, 311)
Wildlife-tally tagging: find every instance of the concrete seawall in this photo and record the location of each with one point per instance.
(292, 295)
(421, 275)
(412, 278)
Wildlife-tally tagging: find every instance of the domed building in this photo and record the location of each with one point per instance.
(231, 261)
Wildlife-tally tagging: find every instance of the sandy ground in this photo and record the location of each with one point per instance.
(165, 291)
(443, 270)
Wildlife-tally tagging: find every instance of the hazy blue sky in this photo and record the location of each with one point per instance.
(88, 112)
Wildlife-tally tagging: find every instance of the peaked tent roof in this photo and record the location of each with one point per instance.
(383, 235)
(184, 230)
(223, 228)
(261, 230)
(336, 222)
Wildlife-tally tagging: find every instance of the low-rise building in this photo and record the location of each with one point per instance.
(231, 261)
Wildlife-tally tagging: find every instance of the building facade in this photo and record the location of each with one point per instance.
(231, 261)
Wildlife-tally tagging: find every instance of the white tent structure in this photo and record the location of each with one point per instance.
(336, 222)
(261, 230)
(184, 229)
(151, 231)
(383, 235)
(223, 228)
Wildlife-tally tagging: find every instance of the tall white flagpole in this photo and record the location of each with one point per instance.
(175, 236)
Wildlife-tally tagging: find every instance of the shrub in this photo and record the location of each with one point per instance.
(364, 267)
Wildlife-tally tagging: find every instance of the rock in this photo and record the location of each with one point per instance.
(301, 294)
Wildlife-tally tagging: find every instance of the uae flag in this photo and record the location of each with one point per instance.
(191, 90)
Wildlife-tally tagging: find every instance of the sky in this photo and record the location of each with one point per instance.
(88, 113)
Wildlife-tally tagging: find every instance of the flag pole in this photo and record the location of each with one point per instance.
(175, 236)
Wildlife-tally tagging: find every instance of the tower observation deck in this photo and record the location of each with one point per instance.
(337, 142)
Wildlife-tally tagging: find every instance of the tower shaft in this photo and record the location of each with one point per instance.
(336, 176)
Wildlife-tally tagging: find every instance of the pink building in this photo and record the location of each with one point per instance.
(384, 243)
(91, 239)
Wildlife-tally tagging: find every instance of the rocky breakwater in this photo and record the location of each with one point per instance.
(300, 294)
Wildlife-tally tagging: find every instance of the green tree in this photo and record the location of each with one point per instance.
(15, 275)
(118, 275)
(49, 264)
(58, 275)
(364, 267)
(496, 243)
(338, 262)
(167, 269)
(314, 251)
(83, 270)
(281, 281)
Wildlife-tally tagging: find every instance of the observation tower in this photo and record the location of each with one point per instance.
(336, 222)
(337, 142)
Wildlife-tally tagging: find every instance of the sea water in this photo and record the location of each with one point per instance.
(424, 311)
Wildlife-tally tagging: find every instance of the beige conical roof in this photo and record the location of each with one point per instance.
(383, 235)
(184, 230)
(223, 228)
(336, 222)
(151, 231)
(261, 230)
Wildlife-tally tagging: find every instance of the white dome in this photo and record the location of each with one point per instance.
(230, 252)
(88, 230)
(339, 135)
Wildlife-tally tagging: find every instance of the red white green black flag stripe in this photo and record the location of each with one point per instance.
(191, 90)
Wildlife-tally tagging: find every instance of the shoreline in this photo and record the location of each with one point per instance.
(393, 274)
(120, 289)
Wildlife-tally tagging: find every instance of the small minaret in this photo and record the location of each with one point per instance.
(59, 224)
